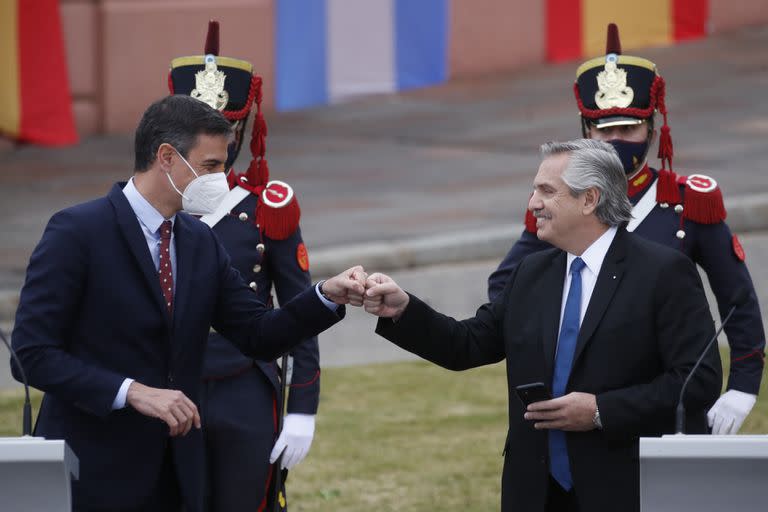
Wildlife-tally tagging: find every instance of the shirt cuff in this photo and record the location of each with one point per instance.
(122, 394)
(328, 303)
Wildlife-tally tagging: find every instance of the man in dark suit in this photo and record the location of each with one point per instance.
(115, 312)
(610, 322)
(686, 213)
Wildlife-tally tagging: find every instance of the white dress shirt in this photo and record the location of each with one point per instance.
(593, 258)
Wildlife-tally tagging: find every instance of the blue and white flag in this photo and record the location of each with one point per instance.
(331, 50)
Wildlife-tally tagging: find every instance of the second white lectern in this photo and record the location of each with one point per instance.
(701, 473)
(35, 474)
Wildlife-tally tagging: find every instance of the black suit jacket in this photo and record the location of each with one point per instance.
(91, 313)
(645, 326)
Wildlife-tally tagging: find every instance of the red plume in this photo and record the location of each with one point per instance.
(212, 40)
(612, 42)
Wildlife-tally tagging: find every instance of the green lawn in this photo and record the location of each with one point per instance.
(405, 436)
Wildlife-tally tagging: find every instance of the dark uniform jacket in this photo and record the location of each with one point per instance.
(266, 264)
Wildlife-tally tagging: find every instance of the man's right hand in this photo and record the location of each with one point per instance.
(169, 405)
(383, 297)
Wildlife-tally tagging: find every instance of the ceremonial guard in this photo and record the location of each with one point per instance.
(620, 99)
(258, 224)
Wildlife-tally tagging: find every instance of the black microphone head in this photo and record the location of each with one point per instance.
(740, 297)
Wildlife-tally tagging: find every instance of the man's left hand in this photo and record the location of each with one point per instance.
(730, 411)
(574, 412)
(347, 287)
(294, 441)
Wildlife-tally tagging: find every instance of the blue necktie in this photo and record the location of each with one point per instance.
(566, 347)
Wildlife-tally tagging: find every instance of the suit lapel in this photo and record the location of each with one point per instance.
(608, 281)
(552, 286)
(129, 226)
(185, 258)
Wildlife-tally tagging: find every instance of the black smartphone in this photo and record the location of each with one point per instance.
(533, 392)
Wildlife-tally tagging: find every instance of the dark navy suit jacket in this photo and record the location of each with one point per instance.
(91, 313)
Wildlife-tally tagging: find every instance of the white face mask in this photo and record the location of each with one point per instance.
(204, 193)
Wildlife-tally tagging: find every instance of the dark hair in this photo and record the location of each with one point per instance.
(176, 120)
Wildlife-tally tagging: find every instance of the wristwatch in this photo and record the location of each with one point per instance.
(320, 289)
(596, 418)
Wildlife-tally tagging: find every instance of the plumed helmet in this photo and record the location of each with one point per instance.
(617, 89)
(228, 85)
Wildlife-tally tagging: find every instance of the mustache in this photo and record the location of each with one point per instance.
(541, 214)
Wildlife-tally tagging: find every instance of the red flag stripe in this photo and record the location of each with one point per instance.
(564, 22)
(46, 104)
(689, 18)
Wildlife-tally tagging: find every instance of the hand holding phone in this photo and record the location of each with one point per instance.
(533, 392)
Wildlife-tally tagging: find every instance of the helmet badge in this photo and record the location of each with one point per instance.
(209, 85)
(612, 89)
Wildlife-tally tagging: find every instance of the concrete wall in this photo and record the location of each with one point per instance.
(119, 50)
(487, 36)
(725, 15)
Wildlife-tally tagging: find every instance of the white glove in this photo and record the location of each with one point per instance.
(295, 439)
(730, 411)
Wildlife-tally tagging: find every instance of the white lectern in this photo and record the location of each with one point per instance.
(35, 474)
(703, 473)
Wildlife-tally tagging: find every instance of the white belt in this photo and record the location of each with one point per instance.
(643, 207)
(231, 200)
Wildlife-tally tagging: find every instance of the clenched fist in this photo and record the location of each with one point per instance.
(347, 287)
(384, 297)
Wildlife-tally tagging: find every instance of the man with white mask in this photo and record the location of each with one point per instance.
(204, 193)
(114, 315)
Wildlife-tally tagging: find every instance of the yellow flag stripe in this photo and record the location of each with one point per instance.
(641, 24)
(10, 92)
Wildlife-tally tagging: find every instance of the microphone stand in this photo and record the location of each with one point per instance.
(680, 413)
(26, 427)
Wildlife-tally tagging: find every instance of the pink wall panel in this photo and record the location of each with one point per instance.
(79, 20)
(727, 15)
(495, 35)
(88, 119)
(141, 38)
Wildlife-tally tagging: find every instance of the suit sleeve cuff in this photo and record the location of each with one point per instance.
(122, 394)
(328, 303)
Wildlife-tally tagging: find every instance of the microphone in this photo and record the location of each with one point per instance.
(27, 421)
(739, 298)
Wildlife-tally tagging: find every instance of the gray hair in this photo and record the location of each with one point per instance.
(595, 164)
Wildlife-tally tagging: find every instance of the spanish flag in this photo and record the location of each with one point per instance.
(576, 28)
(35, 103)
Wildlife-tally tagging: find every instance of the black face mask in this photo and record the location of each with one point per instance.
(632, 154)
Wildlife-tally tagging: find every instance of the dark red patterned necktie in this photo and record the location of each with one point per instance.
(166, 272)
